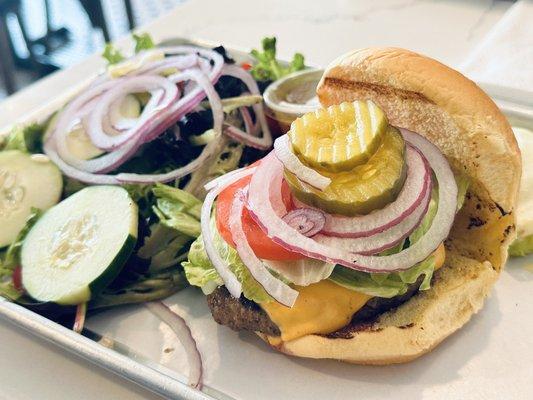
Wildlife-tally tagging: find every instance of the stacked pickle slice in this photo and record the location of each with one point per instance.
(354, 145)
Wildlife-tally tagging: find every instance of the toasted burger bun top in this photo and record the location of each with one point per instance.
(427, 97)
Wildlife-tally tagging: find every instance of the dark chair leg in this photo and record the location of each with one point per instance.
(7, 68)
(23, 29)
(129, 13)
(95, 11)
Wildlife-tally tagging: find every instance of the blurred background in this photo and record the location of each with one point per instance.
(38, 37)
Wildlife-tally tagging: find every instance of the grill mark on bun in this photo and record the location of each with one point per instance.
(376, 88)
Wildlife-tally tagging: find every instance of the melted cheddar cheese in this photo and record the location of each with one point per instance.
(321, 308)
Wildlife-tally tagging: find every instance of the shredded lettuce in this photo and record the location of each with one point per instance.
(268, 67)
(200, 271)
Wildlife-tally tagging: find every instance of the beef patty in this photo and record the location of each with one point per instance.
(245, 315)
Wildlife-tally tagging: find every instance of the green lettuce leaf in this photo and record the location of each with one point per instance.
(11, 259)
(27, 139)
(143, 41)
(200, 271)
(267, 67)
(522, 246)
(112, 54)
(12, 256)
(384, 285)
(427, 220)
(177, 209)
(462, 186)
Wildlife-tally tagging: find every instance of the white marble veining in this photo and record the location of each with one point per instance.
(446, 30)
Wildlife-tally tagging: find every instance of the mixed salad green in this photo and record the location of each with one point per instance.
(167, 215)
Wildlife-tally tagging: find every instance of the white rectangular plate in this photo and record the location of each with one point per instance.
(490, 358)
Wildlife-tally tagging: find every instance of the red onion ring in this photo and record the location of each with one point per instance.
(113, 159)
(158, 67)
(69, 116)
(117, 123)
(235, 133)
(382, 240)
(218, 118)
(221, 179)
(293, 164)
(125, 136)
(183, 332)
(252, 128)
(307, 221)
(280, 291)
(416, 185)
(270, 174)
(229, 279)
(153, 110)
(212, 56)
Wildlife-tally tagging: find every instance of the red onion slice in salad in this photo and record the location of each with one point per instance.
(382, 240)
(292, 163)
(307, 221)
(183, 332)
(280, 291)
(116, 158)
(417, 183)
(229, 279)
(216, 61)
(155, 107)
(218, 118)
(251, 127)
(270, 173)
(178, 63)
(263, 143)
(70, 116)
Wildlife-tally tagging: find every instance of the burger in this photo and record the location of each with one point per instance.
(378, 224)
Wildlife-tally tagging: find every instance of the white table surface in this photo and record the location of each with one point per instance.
(321, 30)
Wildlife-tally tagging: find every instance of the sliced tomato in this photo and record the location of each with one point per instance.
(260, 243)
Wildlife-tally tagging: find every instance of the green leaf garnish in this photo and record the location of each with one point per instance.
(112, 54)
(268, 68)
(143, 41)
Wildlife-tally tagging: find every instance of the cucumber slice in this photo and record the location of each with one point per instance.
(26, 181)
(79, 246)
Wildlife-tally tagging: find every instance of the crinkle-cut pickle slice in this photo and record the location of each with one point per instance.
(340, 137)
(363, 189)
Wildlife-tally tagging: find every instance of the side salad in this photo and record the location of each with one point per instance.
(100, 203)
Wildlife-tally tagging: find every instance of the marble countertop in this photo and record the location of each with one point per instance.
(322, 30)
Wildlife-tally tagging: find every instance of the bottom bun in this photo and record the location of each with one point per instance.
(411, 330)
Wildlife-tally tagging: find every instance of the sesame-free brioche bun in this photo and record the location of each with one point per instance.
(427, 97)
